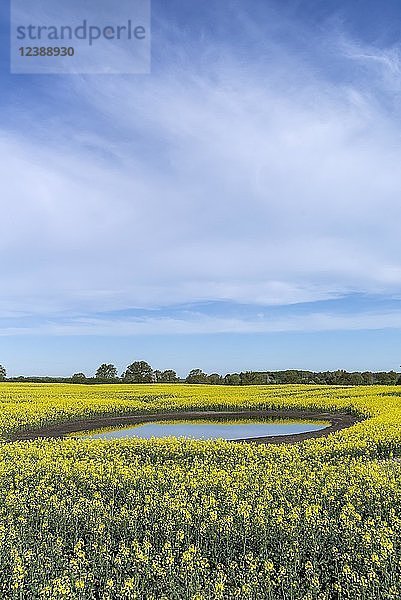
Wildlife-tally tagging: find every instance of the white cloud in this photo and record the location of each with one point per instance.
(262, 183)
(385, 60)
(197, 323)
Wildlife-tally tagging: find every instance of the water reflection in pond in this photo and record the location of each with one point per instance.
(202, 429)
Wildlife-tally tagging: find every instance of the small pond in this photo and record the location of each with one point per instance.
(209, 429)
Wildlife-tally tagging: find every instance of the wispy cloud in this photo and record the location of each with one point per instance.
(261, 183)
(197, 323)
(384, 59)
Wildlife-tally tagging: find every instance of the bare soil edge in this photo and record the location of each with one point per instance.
(337, 422)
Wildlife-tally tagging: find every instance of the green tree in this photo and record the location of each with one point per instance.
(255, 378)
(139, 372)
(168, 376)
(355, 379)
(389, 378)
(157, 375)
(3, 373)
(106, 371)
(232, 379)
(196, 376)
(368, 378)
(78, 377)
(215, 379)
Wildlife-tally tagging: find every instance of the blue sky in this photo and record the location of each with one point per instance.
(237, 208)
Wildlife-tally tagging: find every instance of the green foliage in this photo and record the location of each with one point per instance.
(139, 372)
(78, 377)
(106, 371)
(232, 379)
(255, 378)
(215, 379)
(196, 376)
(168, 376)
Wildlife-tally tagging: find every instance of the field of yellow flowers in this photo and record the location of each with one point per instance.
(188, 520)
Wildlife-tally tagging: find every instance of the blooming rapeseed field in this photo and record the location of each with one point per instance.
(188, 520)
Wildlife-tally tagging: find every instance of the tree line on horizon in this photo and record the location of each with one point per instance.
(141, 372)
